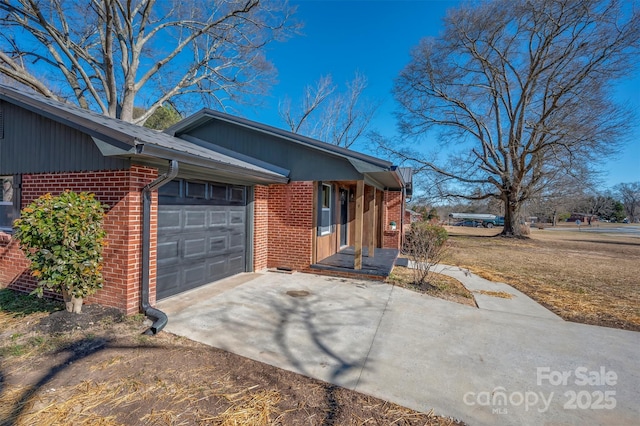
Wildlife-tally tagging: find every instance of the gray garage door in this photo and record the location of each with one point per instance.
(201, 234)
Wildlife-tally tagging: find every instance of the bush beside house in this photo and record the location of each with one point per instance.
(63, 237)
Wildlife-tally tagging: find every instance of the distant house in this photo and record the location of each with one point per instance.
(411, 216)
(585, 218)
(214, 196)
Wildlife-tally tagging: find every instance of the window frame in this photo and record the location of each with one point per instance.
(325, 209)
(14, 211)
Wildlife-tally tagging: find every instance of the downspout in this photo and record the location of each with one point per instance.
(404, 207)
(159, 317)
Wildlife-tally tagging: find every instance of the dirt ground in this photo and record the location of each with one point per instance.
(97, 368)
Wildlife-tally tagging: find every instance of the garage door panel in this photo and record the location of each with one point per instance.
(170, 219)
(236, 262)
(218, 266)
(194, 219)
(195, 273)
(218, 218)
(196, 247)
(218, 244)
(168, 252)
(167, 282)
(236, 217)
(236, 240)
(199, 243)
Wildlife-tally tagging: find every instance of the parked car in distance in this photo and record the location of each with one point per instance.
(477, 220)
(472, 223)
(498, 221)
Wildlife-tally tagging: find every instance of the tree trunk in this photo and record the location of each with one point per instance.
(72, 303)
(511, 228)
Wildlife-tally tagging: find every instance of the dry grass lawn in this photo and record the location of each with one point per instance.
(584, 277)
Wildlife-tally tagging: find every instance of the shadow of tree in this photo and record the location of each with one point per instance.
(311, 332)
(302, 308)
(19, 304)
(76, 351)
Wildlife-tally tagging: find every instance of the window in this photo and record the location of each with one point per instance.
(324, 222)
(170, 189)
(10, 204)
(196, 190)
(237, 194)
(326, 196)
(218, 192)
(180, 191)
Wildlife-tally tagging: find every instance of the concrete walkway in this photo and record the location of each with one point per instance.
(487, 294)
(488, 366)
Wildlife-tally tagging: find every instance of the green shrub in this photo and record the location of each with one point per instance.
(63, 237)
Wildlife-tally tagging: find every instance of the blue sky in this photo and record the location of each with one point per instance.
(374, 37)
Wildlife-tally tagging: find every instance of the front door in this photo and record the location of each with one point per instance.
(344, 216)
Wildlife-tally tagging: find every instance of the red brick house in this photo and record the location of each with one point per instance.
(213, 196)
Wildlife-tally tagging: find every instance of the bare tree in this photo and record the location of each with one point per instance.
(313, 99)
(561, 195)
(591, 202)
(519, 93)
(630, 196)
(104, 53)
(331, 116)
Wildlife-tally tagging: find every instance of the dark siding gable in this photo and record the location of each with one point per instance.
(35, 144)
(305, 164)
(1, 120)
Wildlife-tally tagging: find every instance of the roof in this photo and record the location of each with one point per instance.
(376, 171)
(119, 138)
(407, 177)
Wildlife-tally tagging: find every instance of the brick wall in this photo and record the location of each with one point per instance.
(290, 225)
(283, 225)
(120, 190)
(13, 266)
(260, 227)
(393, 211)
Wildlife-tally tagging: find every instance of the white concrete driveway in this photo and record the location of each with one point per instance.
(483, 366)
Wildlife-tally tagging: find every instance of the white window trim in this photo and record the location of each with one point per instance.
(324, 231)
(14, 203)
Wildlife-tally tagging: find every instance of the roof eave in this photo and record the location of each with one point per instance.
(263, 177)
